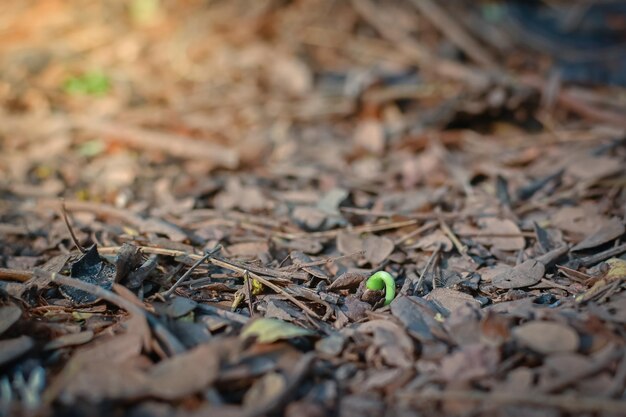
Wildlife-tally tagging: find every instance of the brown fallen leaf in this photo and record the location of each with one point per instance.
(431, 242)
(589, 167)
(354, 308)
(348, 243)
(377, 249)
(347, 280)
(582, 220)
(417, 316)
(471, 362)
(562, 365)
(451, 299)
(254, 249)
(71, 339)
(370, 135)
(547, 337)
(395, 346)
(606, 232)
(98, 381)
(523, 275)
(186, 373)
(491, 225)
(173, 378)
(8, 316)
(11, 349)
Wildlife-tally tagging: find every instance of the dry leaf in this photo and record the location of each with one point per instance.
(547, 337)
(348, 243)
(523, 275)
(377, 249)
(451, 299)
(186, 373)
(72, 339)
(606, 232)
(8, 316)
(369, 135)
(491, 225)
(472, 362)
(434, 240)
(11, 349)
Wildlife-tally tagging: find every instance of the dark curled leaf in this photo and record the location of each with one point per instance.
(92, 269)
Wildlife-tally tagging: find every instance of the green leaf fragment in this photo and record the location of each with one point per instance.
(268, 330)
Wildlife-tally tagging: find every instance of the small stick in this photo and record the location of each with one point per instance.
(416, 232)
(229, 315)
(69, 228)
(366, 228)
(417, 216)
(246, 278)
(455, 240)
(324, 261)
(14, 275)
(187, 274)
(487, 234)
(602, 256)
(420, 281)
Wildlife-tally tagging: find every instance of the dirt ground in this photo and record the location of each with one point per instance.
(195, 194)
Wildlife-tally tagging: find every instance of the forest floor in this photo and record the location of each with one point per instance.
(194, 194)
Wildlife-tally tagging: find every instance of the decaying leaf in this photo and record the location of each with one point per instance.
(11, 349)
(186, 373)
(450, 299)
(470, 362)
(90, 268)
(523, 275)
(71, 339)
(347, 280)
(499, 229)
(547, 337)
(377, 249)
(607, 232)
(8, 316)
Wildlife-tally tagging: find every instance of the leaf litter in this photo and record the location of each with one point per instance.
(245, 167)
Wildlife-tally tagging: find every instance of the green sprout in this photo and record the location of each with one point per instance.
(382, 280)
